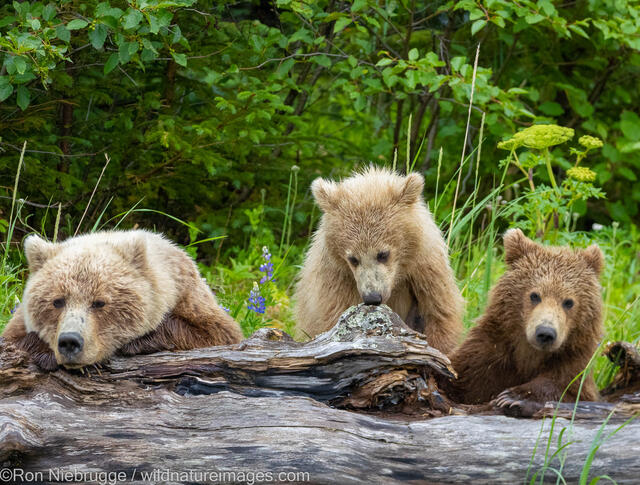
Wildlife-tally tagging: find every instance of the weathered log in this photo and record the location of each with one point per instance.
(270, 405)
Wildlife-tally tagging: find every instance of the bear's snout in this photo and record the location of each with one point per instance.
(545, 336)
(70, 344)
(372, 298)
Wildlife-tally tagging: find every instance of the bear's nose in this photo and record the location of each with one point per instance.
(372, 298)
(545, 335)
(70, 344)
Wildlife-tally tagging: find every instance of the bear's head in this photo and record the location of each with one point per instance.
(369, 225)
(85, 302)
(553, 292)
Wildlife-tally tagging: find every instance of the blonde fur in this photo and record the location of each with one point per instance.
(370, 213)
(140, 278)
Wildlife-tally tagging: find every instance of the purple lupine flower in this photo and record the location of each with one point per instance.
(256, 300)
(267, 266)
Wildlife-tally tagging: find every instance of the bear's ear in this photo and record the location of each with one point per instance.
(134, 250)
(412, 190)
(594, 258)
(38, 251)
(324, 192)
(516, 245)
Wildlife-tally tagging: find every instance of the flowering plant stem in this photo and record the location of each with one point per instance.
(547, 160)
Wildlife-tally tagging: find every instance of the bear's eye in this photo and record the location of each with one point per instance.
(567, 304)
(97, 304)
(58, 302)
(353, 260)
(535, 298)
(383, 256)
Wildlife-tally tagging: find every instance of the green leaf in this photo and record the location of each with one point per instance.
(105, 10)
(578, 30)
(341, 23)
(322, 60)
(385, 61)
(180, 59)
(154, 26)
(131, 19)
(62, 33)
(627, 173)
(457, 62)
(477, 26)
(126, 50)
(5, 91)
(358, 5)
(21, 64)
(111, 63)
(98, 35)
(413, 54)
(76, 24)
(630, 125)
(48, 12)
(24, 97)
(551, 108)
(533, 18)
(148, 55)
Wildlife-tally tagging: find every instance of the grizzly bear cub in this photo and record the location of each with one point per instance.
(126, 292)
(542, 325)
(378, 243)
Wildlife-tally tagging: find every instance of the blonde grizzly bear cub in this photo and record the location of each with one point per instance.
(117, 291)
(542, 325)
(377, 243)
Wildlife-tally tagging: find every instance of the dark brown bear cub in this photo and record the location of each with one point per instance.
(542, 325)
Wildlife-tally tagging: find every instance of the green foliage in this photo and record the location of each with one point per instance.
(202, 105)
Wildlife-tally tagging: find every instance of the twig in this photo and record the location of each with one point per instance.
(93, 193)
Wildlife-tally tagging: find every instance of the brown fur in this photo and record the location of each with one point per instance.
(497, 355)
(139, 276)
(368, 213)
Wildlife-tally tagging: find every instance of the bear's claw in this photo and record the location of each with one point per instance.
(511, 403)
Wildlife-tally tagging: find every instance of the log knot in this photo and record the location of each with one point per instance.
(368, 321)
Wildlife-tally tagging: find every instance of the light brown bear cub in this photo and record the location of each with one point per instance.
(542, 325)
(116, 291)
(377, 242)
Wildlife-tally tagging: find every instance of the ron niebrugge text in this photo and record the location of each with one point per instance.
(157, 475)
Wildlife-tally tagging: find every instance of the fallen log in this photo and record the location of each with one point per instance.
(271, 405)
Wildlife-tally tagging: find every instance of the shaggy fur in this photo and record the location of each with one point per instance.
(502, 353)
(376, 236)
(118, 290)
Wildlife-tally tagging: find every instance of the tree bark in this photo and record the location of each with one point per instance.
(271, 405)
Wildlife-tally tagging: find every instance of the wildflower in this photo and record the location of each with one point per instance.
(256, 300)
(538, 136)
(226, 309)
(267, 266)
(13, 310)
(543, 136)
(597, 227)
(510, 144)
(590, 142)
(581, 174)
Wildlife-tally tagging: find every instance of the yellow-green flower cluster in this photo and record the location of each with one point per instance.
(581, 174)
(539, 137)
(590, 142)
